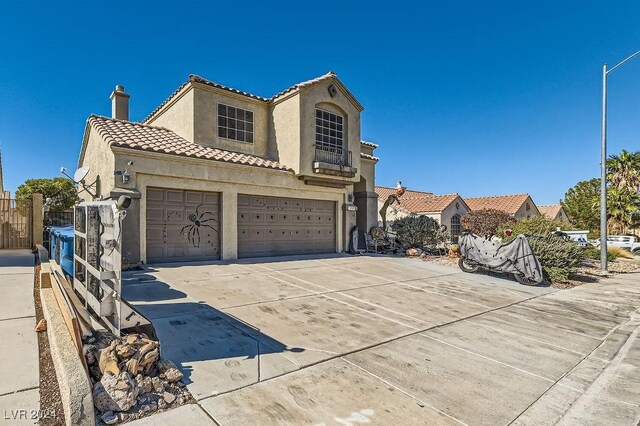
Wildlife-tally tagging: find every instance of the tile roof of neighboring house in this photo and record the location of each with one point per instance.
(143, 137)
(418, 201)
(384, 192)
(506, 203)
(197, 79)
(550, 211)
(369, 157)
(373, 145)
(430, 204)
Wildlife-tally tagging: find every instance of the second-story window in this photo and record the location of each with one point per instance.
(235, 123)
(329, 131)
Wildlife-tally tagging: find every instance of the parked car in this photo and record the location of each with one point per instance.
(627, 242)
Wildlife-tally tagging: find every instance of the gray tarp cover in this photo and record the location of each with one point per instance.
(513, 257)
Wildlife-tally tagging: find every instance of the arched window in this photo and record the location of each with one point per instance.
(455, 228)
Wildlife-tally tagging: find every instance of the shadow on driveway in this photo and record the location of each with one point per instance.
(194, 333)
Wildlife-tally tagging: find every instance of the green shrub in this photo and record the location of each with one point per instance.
(594, 253)
(558, 257)
(419, 231)
(538, 225)
(486, 221)
(554, 274)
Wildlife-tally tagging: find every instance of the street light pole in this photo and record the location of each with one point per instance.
(603, 165)
(603, 176)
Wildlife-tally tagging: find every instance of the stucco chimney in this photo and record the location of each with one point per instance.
(120, 104)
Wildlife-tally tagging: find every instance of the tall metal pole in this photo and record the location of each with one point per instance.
(603, 176)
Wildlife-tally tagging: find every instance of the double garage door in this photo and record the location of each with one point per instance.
(185, 226)
(270, 226)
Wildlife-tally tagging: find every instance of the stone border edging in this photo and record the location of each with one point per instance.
(75, 388)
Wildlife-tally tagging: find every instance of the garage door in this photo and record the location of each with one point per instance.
(269, 226)
(182, 225)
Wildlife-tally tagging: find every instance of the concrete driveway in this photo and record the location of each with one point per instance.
(382, 340)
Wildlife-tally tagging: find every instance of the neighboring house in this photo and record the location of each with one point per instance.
(445, 209)
(520, 206)
(218, 173)
(554, 212)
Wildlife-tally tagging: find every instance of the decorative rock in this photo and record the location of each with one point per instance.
(146, 385)
(168, 397)
(162, 404)
(115, 393)
(41, 326)
(414, 252)
(109, 418)
(157, 384)
(173, 375)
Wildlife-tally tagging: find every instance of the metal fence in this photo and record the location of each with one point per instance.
(16, 224)
(54, 219)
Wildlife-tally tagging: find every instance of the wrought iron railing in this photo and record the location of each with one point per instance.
(341, 157)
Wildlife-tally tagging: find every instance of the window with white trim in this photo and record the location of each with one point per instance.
(329, 131)
(235, 123)
(455, 228)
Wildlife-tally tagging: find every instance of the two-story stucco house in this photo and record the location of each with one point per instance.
(218, 173)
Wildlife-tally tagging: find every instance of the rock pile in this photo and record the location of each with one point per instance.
(129, 378)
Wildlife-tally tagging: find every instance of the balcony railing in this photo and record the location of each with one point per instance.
(339, 157)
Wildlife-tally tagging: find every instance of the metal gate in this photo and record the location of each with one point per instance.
(16, 220)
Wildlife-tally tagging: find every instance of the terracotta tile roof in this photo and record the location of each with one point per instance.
(506, 203)
(550, 211)
(143, 137)
(197, 79)
(418, 201)
(373, 145)
(369, 157)
(384, 191)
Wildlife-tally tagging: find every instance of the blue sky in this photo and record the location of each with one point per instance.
(478, 98)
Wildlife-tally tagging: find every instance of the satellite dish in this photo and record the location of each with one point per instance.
(81, 173)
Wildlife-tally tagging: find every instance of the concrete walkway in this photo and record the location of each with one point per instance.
(19, 393)
(379, 340)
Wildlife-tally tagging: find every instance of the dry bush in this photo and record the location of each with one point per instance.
(485, 222)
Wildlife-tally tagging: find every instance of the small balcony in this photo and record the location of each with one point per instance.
(333, 161)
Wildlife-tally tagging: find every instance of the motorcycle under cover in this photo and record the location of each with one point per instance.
(513, 257)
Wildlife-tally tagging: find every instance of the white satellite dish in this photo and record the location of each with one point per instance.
(81, 173)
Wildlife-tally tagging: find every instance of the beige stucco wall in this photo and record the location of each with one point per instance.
(178, 115)
(99, 157)
(284, 132)
(166, 171)
(451, 210)
(522, 212)
(317, 95)
(206, 100)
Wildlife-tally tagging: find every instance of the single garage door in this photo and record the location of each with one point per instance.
(182, 225)
(270, 226)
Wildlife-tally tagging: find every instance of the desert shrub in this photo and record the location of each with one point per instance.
(538, 225)
(554, 274)
(486, 221)
(418, 231)
(619, 252)
(558, 257)
(594, 253)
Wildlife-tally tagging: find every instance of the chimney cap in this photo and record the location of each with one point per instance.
(119, 88)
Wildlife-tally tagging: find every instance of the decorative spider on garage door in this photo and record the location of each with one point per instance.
(198, 220)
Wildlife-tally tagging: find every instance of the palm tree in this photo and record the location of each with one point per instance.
(623, 206)
(623, 171)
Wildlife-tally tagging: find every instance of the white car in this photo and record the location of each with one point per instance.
(627, 242)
